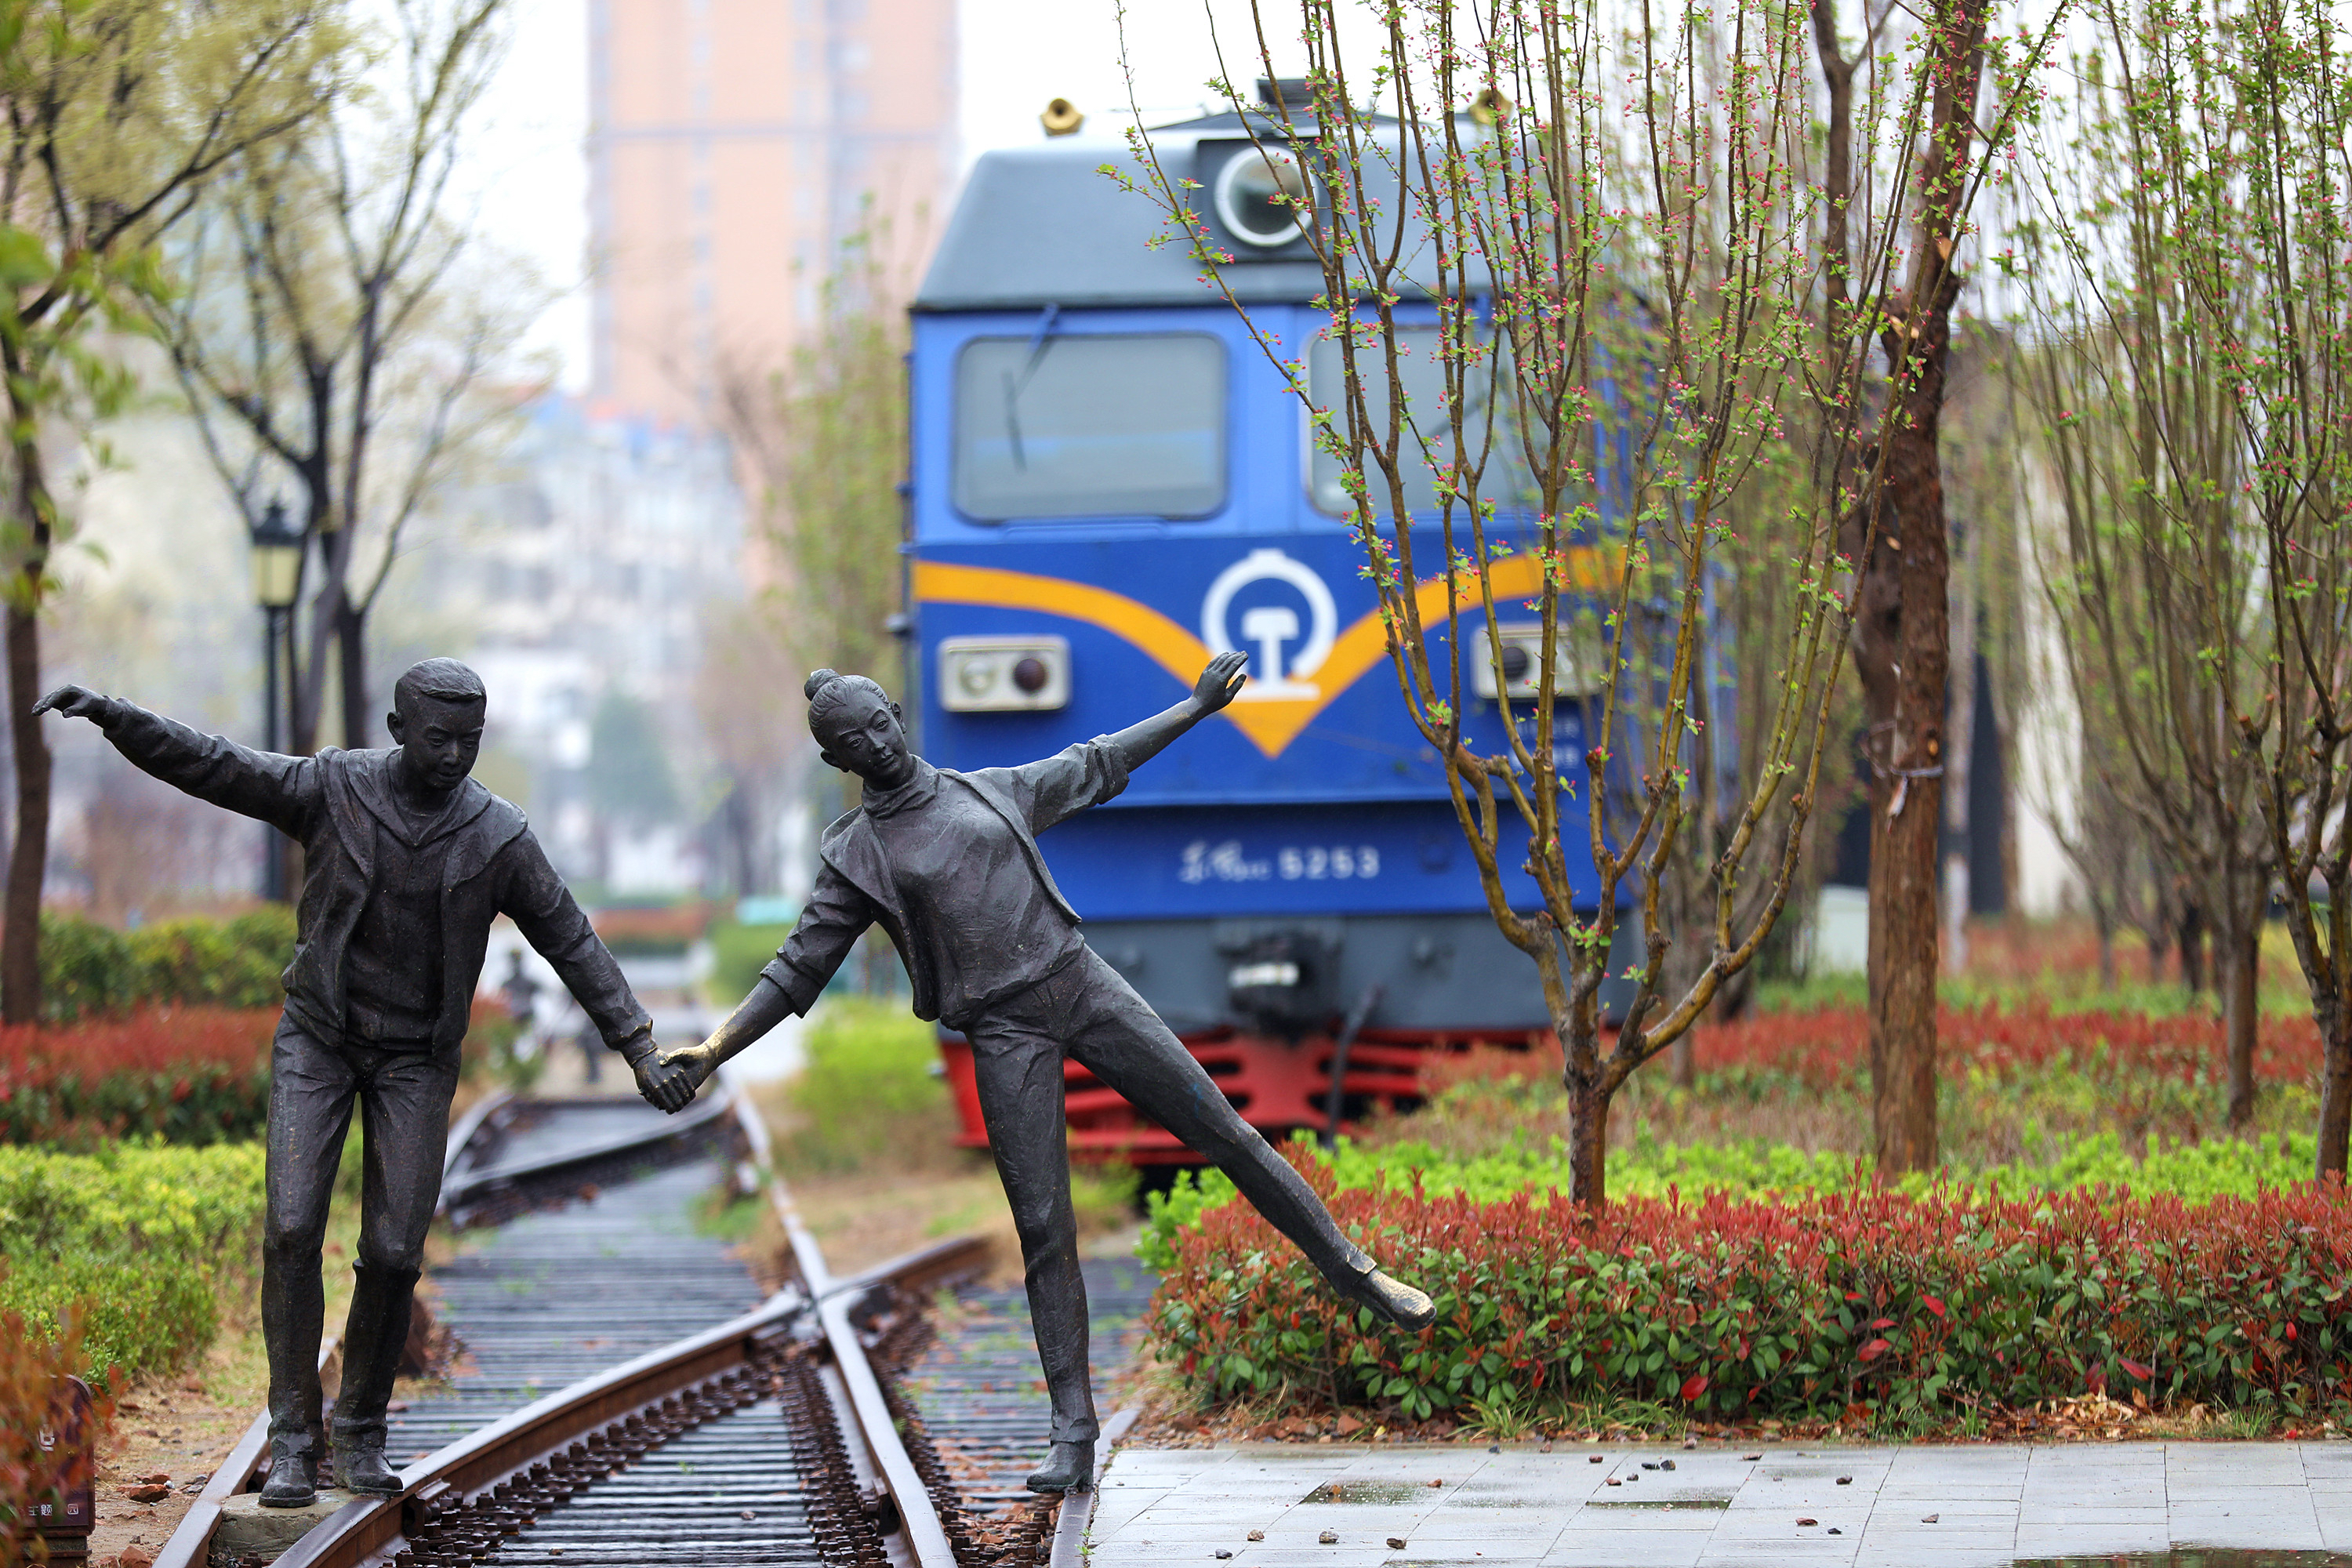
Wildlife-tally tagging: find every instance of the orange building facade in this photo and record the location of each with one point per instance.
(733, 146)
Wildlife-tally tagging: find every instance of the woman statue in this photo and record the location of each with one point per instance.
(948, 864)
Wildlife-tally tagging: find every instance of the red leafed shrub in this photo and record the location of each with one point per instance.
(189, 1075)
(1821, 1048)
(1799, 1309)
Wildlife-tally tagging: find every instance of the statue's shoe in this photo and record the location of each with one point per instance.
(362, 1469)
(293, 1475)
(1069, 1467)
(1400, 1303)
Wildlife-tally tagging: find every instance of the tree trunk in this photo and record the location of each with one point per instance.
(1902, 654)
(351, 649)
(2335, 1022)
(2192, 947)
(1588, 1143)
(29, 856)
(2106, 928)
(20, 946)
(1682, 1056)
(2239, 962)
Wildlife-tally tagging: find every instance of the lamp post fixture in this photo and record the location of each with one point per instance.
(278, 548)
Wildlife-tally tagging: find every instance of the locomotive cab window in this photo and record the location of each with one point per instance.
(1422, 374)
(1090, 425)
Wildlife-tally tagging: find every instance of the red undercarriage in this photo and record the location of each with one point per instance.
(1276, 1086)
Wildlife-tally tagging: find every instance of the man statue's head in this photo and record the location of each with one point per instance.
(436, 719)
(859, 727)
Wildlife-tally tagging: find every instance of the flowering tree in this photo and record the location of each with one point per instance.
(2185, 262)
(1603, 243)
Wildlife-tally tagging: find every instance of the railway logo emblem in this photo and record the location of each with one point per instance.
(1273, 628)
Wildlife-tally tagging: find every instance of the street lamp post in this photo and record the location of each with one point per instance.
(276, 574)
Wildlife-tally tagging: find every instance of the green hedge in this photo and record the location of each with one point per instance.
(90, 969)
(1878, 1308)
(140, 1238)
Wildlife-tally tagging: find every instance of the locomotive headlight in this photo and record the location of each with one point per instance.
(1266, 198)
(1575, 664)
(1004, 675)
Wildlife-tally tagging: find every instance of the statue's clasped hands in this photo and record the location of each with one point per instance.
(669, 1077)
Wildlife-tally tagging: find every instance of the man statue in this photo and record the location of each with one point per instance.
(948, 863)
(408, 860)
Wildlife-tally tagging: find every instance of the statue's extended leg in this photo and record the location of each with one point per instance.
(311, 1091)
(405, 1111)
(1115, 1035)
(1019, 1069)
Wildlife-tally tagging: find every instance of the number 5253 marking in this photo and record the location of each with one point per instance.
(1316, 863)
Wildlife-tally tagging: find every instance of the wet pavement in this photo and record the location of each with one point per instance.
(2150, 1505)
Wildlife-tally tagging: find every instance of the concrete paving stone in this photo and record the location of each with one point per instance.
(1617, 1548)
(1784, 1527)
(2244, 1534)
(1957, 1491)
(1519, 1543)
(2091, 1540)
(2242, 1468)
(1944, 1533)
(1646, 1521)
(1830, 1549)
(2090, 1512)
(2259, 1501)
(1934, 1557)
(1902, 1522)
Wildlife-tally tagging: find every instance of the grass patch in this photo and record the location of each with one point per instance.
(738, 953)
(729, 1217)
(870, 1094)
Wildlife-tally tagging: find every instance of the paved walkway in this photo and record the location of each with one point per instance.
(1963, 1507)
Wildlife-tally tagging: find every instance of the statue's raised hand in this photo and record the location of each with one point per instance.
(1220, 681)
(73, 702)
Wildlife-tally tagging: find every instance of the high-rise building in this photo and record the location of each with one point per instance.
(733, 145)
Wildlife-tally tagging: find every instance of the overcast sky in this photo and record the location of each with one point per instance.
(530, 179)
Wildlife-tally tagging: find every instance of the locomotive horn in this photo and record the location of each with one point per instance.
(1062, 118)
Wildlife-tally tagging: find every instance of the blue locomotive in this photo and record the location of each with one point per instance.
(1109, 483)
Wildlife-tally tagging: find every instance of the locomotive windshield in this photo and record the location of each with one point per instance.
(1423, 377)
(1090, 425)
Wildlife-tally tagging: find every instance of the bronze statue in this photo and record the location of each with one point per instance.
(948, 864)
(407, 861)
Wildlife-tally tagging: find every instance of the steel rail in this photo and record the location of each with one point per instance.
(191, 1540)
(1069, 1546)
(466, 1192)
(835, 1298)
(455, 1502)
(371, 1529)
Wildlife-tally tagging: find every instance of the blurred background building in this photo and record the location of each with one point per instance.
(732, 145)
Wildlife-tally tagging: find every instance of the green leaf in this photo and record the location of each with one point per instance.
(23, 259)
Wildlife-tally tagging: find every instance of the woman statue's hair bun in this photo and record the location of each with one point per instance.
(817, 681)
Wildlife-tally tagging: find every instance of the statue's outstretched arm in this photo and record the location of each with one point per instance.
(1139, 743)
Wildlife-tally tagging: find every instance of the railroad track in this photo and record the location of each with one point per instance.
(788, 1432)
